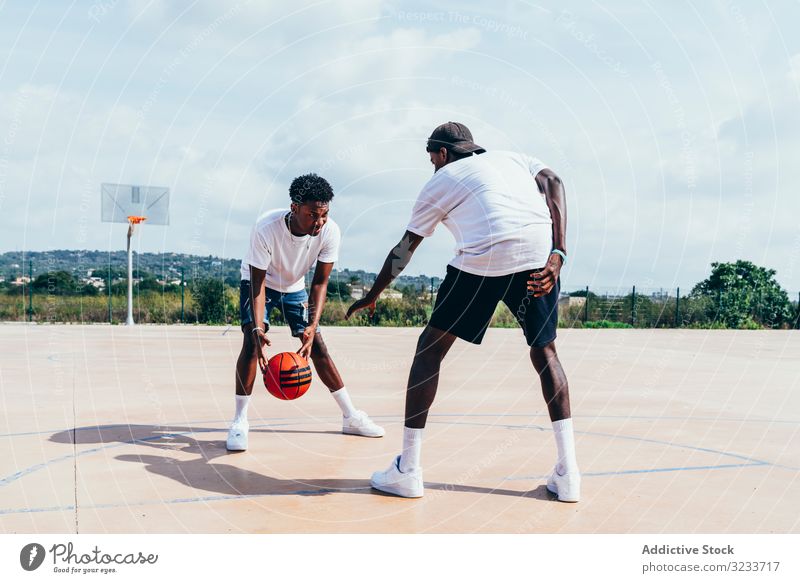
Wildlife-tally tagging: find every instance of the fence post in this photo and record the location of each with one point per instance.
(633, 307)
(30, 290)
(586, 307)
(431, 292)
(182, 292)
(678, 308)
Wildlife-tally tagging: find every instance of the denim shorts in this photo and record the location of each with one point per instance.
(293, 306)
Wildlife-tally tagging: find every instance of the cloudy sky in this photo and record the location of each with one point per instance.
(675, 125)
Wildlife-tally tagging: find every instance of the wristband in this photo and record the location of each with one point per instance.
(256, 330)
(561, 253)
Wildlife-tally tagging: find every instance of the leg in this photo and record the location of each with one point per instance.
(565, 481)
(324, 365)
(555, 388)
(423, 379)
(464, 307)
(539, 320)
(354, 422)
(245, 377)
(246, 367)
(247, 363)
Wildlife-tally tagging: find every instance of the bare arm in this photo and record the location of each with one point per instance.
(553, 189)
(395, 262)
(258, 303)
(319, 289)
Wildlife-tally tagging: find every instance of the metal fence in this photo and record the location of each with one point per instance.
(589, 307)
(660, 308)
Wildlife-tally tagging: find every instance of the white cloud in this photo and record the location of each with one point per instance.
(225, 104)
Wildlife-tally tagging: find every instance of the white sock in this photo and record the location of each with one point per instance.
(343, 400)
(242, 401)
(565, 443)
(412, 449)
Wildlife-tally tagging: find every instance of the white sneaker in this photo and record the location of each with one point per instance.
(237, 436)
(567, 487)
(359, 423)
(393, 481)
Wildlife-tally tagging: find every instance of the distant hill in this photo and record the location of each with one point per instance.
(164, 266)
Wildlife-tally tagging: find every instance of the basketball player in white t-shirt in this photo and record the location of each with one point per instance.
(507, 212)
(284, 245)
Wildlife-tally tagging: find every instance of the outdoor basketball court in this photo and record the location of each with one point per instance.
(122, 430)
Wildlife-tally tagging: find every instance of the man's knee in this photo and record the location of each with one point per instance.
(432, 346)
(542, 355)
(548, 349)
(248, 345)
(318, 348)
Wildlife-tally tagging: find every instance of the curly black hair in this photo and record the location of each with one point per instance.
(310, 188)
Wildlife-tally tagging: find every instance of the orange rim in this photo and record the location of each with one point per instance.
(134, 220)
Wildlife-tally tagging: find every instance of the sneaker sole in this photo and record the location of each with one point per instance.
(357, 432)
(236, 448)
(401, 492)
(570, 499)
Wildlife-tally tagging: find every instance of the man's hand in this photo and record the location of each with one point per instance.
(364, 302)
(262, 342)
(307, 339)
(542, 282)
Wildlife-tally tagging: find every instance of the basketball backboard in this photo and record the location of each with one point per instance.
(120, 201)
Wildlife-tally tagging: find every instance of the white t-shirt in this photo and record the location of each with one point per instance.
(285, 257)
(492, 206)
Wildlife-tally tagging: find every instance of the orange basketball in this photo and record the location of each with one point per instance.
(288, 376)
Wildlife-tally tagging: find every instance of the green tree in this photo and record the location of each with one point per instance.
(338, 289)
(581, 293)
(116, 273)
(149, 283)
(57, 283)
(210, 299)
(742, 295)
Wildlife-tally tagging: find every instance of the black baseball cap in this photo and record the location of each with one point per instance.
(455, 137)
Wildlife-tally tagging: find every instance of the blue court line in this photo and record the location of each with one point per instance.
(217, 498)
(751, 462)
(114, 425)
(527, 415)
(648, 471)
(321, 491)
(22, 473)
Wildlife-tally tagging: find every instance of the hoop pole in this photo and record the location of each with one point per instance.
(182, 291)
(30, 291)
(109, 290)
(129, 320)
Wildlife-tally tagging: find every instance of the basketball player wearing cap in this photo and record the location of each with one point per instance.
(507, 212)
(284, 245)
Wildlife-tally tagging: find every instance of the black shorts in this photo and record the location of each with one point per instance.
(466, 303)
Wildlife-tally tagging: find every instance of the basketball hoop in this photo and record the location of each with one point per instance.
(133, 204)
(134, 220)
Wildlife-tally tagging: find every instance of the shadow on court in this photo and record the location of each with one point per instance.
(206, 472)
(145, 434)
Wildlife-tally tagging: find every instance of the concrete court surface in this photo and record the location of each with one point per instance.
(122, 430)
